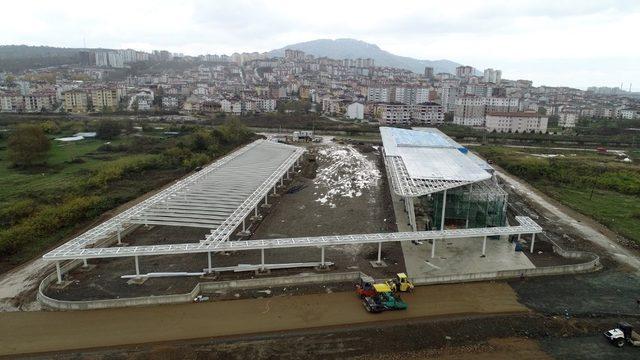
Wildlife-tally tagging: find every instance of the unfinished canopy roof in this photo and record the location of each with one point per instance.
(217, 197)
(426, 161)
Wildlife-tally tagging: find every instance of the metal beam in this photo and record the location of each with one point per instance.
(527, 226)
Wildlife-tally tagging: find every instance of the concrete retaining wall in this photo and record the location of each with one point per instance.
(205, 287)
(592, 263)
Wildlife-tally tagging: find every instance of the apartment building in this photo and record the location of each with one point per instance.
(448, 96)
(394, 113)
(469, 111)
(104, 99)
(170, 102)
(378, 94)
(428, 113)
(464, 71)
(76, 101)
(567, 119)
(265, 105)
(410, 95)
(516, 122)
(492, 76)
(355, 111)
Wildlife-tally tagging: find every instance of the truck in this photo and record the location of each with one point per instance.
(383, 300)
(621, 334)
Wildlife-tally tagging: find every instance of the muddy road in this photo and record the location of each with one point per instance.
(28, 332)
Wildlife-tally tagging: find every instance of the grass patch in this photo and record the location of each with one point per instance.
(569, 177)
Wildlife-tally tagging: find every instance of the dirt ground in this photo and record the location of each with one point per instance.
(51, 331)
(356, 200)
(525, 336)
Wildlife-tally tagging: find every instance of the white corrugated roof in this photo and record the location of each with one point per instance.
(426, 161)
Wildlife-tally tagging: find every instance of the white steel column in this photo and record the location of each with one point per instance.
(256, 211)
(412, 214)
(265, 199)
(433, 248)
(58, 272)
(84, 263)
(274, 190)
(533, 241)
(137, 266)
(444, 206)
(322, 256)
(281, 181)
(287, 174)
(379, 252)
(119, 237)
(261, 259)
(484, 245)
(209, 262)
(244, 227)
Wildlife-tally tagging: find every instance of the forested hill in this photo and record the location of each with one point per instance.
(21, 57)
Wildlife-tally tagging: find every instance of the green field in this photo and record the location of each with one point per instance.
(600, 186)
(60, 173)
(42, 204)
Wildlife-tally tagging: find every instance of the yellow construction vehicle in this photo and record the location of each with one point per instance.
(400, 283)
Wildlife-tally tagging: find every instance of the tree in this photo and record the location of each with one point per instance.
(28, 145)
(108, 129)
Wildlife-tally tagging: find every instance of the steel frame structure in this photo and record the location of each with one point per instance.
(406, 186)
(205, 198)
(526, 226)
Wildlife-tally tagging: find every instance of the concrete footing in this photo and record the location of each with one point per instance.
(256, 218)
(265, 206)
(137, 281)
(244, 233)
(86, 268)
(323, 268)
(62, 285)
(264, 272)
(376, 264)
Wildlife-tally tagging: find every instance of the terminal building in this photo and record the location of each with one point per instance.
(442, 184)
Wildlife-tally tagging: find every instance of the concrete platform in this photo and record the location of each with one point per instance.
(462, 256)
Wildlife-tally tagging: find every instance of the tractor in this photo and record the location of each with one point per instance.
(400, 283)
(384, 300)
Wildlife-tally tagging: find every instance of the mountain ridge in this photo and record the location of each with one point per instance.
(346, 48)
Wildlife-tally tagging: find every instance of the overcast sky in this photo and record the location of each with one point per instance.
(572, 43)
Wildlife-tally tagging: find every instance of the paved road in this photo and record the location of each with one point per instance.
(29, 332)
(572, 219)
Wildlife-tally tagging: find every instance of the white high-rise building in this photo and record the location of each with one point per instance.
(448, 96)
(492, 76)
(102, 59)
(355, 111)
(378, 94)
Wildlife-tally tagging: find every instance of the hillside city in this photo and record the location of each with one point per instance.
(276, 179)
(109, 81)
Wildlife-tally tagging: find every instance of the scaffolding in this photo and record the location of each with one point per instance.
(478, 205)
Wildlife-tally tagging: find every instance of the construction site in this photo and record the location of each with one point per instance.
(308, 213)
(280, 236)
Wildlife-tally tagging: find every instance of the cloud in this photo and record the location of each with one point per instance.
(492, 33)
